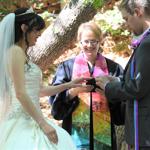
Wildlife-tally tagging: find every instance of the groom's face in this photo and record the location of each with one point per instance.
(134, 21)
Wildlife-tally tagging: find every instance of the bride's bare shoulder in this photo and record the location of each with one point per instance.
(17, 52)
(16, 48)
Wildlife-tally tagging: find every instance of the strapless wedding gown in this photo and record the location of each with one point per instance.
(19, 131)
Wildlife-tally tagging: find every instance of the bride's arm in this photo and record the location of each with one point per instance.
(52, 90)
(16, 69)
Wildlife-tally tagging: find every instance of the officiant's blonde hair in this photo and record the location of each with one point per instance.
(91, 26)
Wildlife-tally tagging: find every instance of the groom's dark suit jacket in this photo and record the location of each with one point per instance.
(138, 88)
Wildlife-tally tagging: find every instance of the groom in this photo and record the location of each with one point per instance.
(135, 85)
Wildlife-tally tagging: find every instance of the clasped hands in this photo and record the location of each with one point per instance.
(91, 84)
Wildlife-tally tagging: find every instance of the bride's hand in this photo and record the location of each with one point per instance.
(78, 82)
(50, 132)
(80, 87)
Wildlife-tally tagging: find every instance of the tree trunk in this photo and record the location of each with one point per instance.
(61, 35)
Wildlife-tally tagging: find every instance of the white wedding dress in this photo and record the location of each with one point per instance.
(19, 131)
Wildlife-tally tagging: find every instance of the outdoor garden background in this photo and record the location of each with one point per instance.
(50, 49)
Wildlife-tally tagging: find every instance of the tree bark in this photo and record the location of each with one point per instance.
(60, 36)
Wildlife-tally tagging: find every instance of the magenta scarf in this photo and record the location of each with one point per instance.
(101, 114)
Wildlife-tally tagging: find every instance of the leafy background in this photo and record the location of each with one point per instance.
(116, 36)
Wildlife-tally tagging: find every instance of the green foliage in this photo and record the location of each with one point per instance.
(95, 3)
(121, 45)
(39, 4)
(3, 12)
(7, 6)
(125, 32)
(98, 3)
(112, 23)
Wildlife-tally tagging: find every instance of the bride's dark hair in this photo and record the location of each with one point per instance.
(32, 20)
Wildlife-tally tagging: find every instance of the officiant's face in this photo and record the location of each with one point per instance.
(89, 44)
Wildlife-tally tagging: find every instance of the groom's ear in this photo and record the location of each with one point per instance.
(24, 28)
(138, 12)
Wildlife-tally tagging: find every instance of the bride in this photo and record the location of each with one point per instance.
(22, 125)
